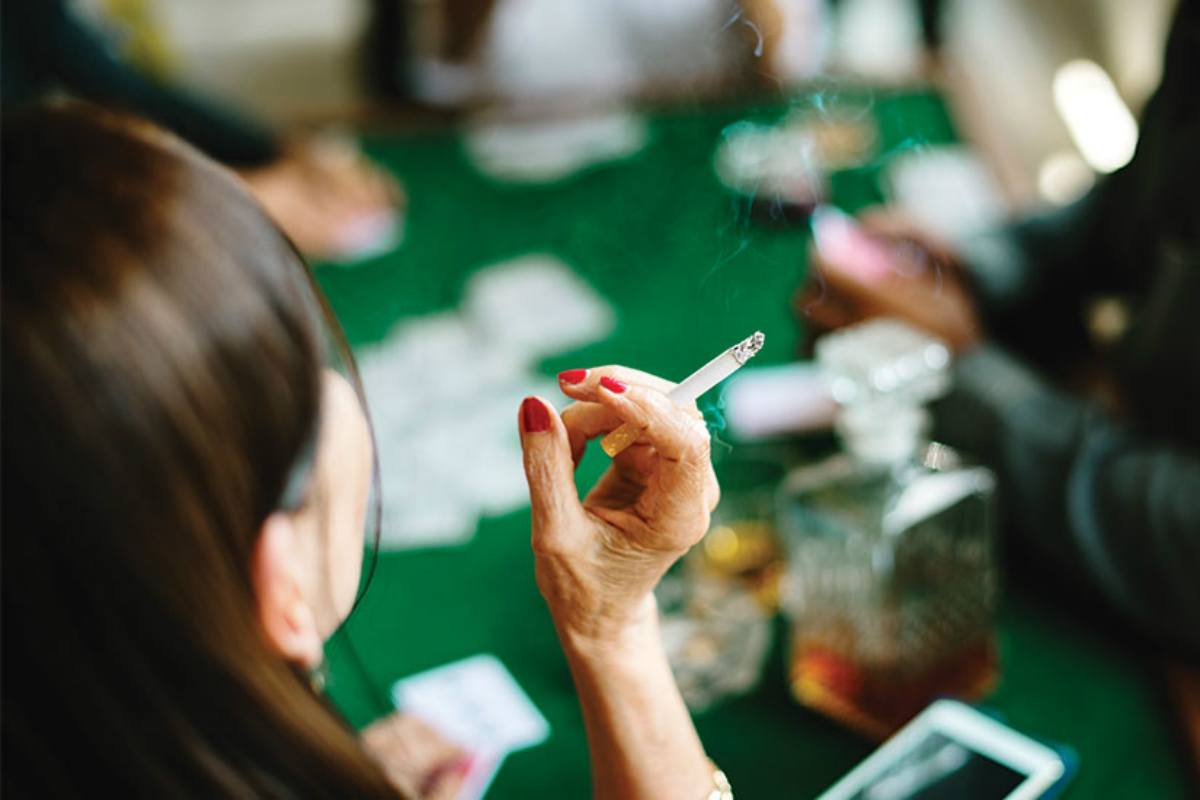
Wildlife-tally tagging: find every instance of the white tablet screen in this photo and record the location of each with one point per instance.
(940, 768)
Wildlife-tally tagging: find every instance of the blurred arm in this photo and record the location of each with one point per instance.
(1084, 491)
(1033, 276)
(640, 735)
(77, 58)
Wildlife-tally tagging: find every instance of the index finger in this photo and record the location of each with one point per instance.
(586, 420)
(584, 384)
(578, 379)
(677, 432)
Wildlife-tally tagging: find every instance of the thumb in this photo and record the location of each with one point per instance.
(549, 468)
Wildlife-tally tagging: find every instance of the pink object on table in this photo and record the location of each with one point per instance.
(846, 247)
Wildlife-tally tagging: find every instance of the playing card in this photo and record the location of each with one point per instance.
(479, 777)
(537, 306)
(444, 390)
(475, 702)
(547, 150)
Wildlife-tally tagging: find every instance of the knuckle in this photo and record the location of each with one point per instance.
(697, 443)
(658, 406)
(573, 416)
(540, 477)
(547, 543)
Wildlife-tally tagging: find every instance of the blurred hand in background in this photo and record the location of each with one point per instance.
(329, 199)
(417, 759)
(888, 267)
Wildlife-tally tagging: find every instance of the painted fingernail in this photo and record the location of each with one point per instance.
(613, 385)
(453, 768)
(572, 376)
(534, 416)
(463, 765)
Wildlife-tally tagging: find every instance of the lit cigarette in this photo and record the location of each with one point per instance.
(692, 387)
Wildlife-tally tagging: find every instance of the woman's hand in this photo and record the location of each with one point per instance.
(598, 561)
(925, 286)
(418, 761)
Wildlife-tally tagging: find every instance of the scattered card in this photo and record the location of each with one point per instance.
(450, 383)
(548, 150)
(536, 305)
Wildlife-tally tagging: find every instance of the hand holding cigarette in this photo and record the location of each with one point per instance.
(597, 561)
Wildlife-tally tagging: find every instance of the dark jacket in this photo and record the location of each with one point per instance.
(1111, 496)
(44, 47)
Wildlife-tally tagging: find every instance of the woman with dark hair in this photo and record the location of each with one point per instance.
(185, 486)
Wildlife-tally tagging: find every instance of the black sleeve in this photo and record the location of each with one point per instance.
(1084, 492)
(78, 59)
(1045, 267)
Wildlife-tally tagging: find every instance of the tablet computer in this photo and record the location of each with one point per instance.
(950, 751)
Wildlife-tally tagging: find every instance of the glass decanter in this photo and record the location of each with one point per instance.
(891, 582)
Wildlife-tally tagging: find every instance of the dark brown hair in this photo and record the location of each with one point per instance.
(161, 368)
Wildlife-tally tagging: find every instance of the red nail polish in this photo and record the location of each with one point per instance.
(534, 416)
(454, 768)
(573, 376)
(613, 385)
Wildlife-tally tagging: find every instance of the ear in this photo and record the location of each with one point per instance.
(285, 614)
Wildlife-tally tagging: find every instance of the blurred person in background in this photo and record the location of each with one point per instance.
(559, 52)
(323, 194)
(186, 487)
(1100, 475)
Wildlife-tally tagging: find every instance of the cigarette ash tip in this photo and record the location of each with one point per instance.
(748, 347)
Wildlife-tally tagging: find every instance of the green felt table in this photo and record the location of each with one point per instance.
(688, 271)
